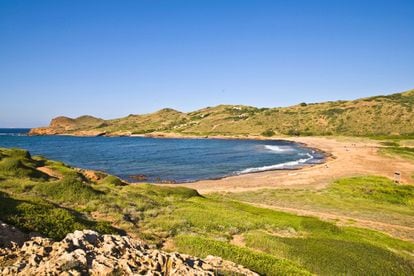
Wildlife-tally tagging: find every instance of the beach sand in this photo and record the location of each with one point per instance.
(349, 157)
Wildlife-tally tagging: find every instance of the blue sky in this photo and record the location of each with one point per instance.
(113, 58)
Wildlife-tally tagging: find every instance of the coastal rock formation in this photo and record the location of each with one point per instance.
(89, 253)
(81, 126)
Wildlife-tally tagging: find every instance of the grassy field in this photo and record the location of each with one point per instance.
(370, 198)
(264, 240)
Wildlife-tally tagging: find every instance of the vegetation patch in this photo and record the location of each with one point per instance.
(203, 225)
(34, 215)
(332, 256)
(374, 188)
(405, 152)
(68, 191)
(268, 133)
(265, 264)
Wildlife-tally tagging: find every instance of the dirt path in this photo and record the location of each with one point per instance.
(50, 172)
(395, 230)
(351, 157)
(238, 240)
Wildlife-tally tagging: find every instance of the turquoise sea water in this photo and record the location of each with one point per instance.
(180, 160)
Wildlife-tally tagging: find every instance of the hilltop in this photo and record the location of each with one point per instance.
(373, 116)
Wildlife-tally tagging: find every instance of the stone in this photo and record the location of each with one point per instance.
(89, 253)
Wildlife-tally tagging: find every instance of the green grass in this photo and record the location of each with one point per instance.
(34, 215)
(219, 220)
(29, 199)
(112, 180)
(373, 188)
(263, 263)
(332, 256)
(68, 191)
(203, 225)
(18, 163)
(369, 198)
(390, 143)
(405, 152)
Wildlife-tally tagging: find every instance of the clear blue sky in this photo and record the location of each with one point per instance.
(113, 58)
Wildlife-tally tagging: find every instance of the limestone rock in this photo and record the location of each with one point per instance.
(89, 253)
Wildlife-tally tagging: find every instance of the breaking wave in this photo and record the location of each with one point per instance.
(290, 164)
(278, 148)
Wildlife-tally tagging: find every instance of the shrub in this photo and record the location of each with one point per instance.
(34, 215)
(112, 180)
(268, 133)
(68, 190)
(14, 167)
(293, 132)
(390, 144)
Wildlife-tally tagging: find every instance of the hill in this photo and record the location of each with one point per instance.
(380, 115)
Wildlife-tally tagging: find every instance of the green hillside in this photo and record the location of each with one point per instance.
(374, 116)
(53, 199)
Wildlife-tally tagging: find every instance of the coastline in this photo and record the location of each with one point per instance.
(326, 157)
(163, 135)
(344, 157)
(347, 157)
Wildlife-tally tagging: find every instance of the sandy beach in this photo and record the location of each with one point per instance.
(349, 157)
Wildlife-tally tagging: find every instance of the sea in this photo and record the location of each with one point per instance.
(165, 160)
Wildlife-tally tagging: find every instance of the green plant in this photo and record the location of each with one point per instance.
(34, 215)
(268, 133)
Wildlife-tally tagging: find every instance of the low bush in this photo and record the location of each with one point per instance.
(268, 133)
(112, 180)
(69, 190)
(34, 215)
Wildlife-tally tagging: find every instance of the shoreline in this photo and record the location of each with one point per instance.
(347, 157)
(344, 157)
(326, 157)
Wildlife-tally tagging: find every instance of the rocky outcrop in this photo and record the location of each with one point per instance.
(81, 126)
(42, 131)
(89, 253)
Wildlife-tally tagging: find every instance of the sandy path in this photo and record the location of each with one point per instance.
(351, 157)
(50, 172)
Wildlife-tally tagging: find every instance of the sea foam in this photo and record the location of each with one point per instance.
(290, 164)
(278, 149)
